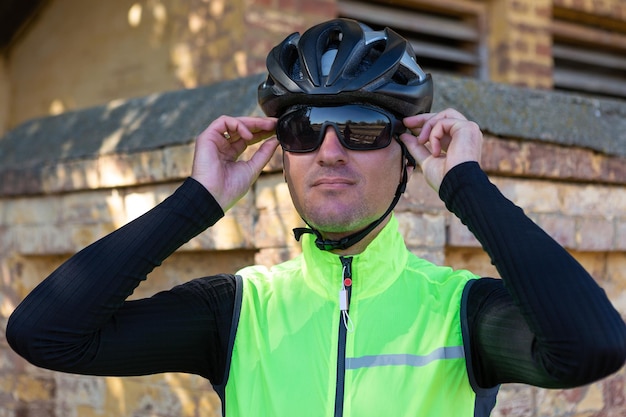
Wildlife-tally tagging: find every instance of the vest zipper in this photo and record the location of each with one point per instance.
(345, 325)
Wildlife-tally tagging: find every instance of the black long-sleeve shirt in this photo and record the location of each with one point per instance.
(546, 323)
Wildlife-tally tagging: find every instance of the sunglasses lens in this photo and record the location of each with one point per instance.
(296, 133)
(358, 127)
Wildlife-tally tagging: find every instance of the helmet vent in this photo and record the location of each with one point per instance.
(403, 76)
(294, 68)
(334, 39)
(327, 61)
(296, 72)
(372, 54)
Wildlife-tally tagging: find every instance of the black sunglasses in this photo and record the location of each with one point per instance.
(359, 127)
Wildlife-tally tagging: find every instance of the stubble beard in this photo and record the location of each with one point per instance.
(340, 220)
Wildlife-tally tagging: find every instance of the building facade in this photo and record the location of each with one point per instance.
(100, 103)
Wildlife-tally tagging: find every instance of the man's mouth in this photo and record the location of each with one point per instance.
(333, 182)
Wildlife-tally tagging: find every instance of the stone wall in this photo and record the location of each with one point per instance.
(69, 179)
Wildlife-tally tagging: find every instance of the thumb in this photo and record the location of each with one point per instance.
(419, 151)
(262, 155)
(430, 165)
(421, 154)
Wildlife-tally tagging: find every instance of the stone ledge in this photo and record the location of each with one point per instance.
(148, 139)
(531, 159)
(64, 152)
(528, 114)
(500, 157)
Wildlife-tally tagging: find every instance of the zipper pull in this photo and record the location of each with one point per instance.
(343, 300)
(346, 284)
(345, 293)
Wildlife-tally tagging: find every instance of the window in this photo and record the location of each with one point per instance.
(589, 53)
(450, 39)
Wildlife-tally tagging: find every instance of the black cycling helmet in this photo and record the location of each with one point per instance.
(345, 61)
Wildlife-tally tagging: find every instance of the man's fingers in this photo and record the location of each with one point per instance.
(248, 128)
(419, 151)
(423, 124)
(263, 155)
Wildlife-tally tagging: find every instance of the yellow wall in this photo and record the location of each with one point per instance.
(78, 53)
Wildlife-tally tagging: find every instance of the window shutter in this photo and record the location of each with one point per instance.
(449, 38)
(589, 54)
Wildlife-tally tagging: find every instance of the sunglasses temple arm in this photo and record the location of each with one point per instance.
(407, 155)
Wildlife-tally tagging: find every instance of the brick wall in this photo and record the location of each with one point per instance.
(67, 180)
(520, 42)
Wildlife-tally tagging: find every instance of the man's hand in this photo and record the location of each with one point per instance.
(218, 147)
(441, 141)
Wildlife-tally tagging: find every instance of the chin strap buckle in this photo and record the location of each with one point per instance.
(320, 242)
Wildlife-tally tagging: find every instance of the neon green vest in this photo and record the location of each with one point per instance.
(403, 347)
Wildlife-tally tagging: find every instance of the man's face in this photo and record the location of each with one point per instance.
(339, 191)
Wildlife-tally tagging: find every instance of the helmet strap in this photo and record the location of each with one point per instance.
(350, 240)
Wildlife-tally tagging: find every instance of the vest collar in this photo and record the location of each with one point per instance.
(373, 270)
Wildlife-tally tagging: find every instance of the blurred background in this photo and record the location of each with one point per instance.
(100, 102)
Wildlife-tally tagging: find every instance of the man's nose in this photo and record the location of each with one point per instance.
(331, 150)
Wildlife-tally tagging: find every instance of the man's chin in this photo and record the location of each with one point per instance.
(337, 227)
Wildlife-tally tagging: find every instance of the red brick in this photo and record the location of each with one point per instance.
(536, 159)
(543, 50)
(543, 12)
(324, 8)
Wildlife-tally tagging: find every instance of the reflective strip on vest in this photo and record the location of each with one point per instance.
(453, 352)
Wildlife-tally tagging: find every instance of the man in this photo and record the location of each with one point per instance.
(356, 325)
